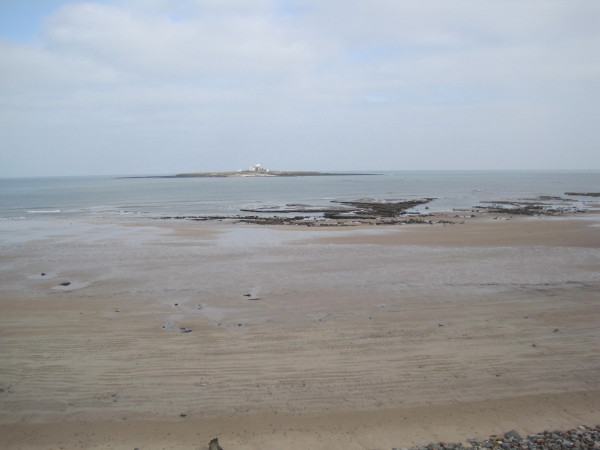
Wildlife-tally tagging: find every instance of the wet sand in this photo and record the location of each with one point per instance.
(354, 338)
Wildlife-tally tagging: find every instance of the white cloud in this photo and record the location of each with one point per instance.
(335, 78)
(148, 45)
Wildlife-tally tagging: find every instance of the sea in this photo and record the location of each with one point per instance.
(110, 197)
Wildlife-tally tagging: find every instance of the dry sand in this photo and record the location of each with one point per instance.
(358, 338)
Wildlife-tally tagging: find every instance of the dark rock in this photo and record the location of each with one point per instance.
(183, 415)
(185, 330)
(512, 434)
(66, 283)
(43, 274)
(214, 445)
(584, 194)
(536, 207)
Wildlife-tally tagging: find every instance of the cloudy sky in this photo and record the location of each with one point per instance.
(166, 86)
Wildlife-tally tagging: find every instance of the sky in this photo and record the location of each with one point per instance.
(167, 86)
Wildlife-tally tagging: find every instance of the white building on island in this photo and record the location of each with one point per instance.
(257, 168)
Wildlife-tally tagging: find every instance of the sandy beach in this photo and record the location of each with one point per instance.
(165, 334)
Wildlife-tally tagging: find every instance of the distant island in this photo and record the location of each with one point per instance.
(255, 171)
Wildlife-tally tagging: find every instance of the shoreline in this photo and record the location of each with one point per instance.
(343, 337)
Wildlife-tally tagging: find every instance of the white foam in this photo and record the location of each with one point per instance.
(44, 211)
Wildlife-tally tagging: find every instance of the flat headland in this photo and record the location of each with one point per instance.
(254, 172)
(166, 334)
(269, 173)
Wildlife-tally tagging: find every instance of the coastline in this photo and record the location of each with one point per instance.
(344, 337)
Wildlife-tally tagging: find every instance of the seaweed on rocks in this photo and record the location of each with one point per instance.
(584, 194)
(541, 206)
(370, 209)
(340, 213)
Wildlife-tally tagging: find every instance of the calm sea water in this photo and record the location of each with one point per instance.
(31, 198)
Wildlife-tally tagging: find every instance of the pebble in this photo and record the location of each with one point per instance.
(581, 437)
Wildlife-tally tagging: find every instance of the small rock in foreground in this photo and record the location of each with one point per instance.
(512, 434)
(214, 445)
